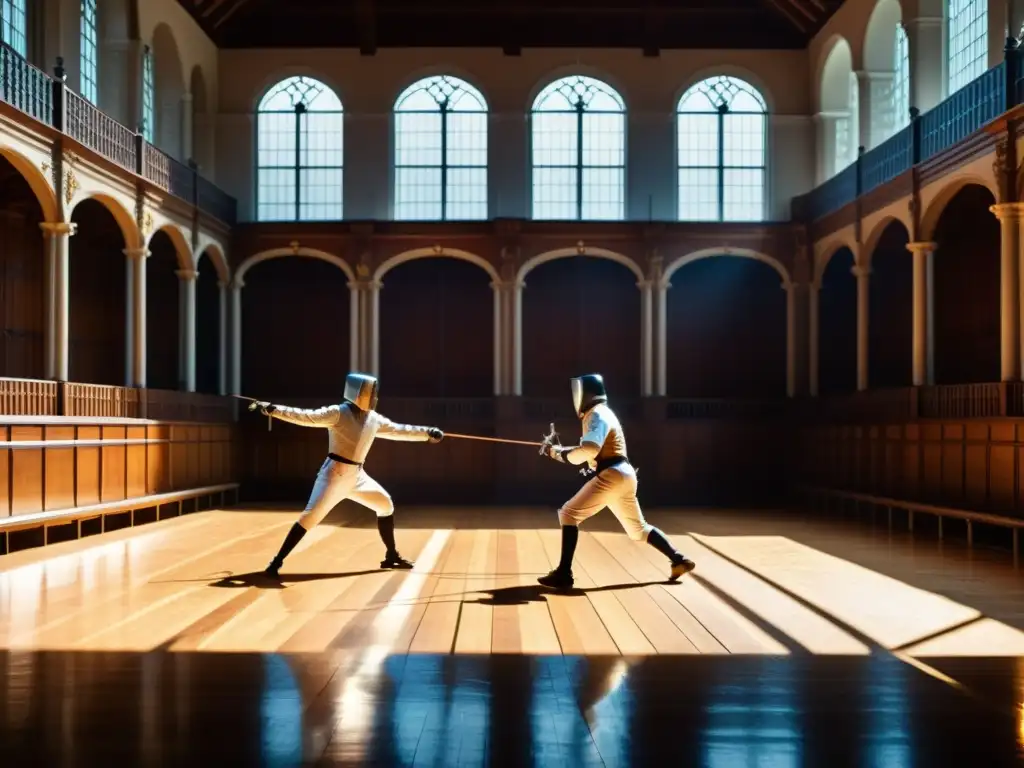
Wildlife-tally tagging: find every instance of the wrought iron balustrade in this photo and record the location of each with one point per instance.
(24, 86)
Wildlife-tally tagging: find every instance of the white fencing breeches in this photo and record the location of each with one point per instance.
(614, 488)
(336, 482)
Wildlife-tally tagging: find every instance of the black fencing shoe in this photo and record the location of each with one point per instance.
(681, 567)
(557, 580)
(395, 560)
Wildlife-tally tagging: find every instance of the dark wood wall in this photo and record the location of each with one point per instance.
(837, 325)
(163, 297)
(726, 330)
(98, 287)
(295, 329)
(437, 330)
(22, 251)
(890, 327)
(208, 357)
(966, 290)
(581, 315)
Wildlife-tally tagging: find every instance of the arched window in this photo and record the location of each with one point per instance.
(579, 151)
(15, 25)
(966, 41)
(901, 81)
(299, 143)
(148, 108)
(440, 151)
(721, 151)
(88, 66)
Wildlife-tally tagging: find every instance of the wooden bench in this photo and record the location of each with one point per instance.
(915, 507)
(219, 495)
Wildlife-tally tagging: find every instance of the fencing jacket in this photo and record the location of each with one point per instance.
(351, 431)
(602, 439)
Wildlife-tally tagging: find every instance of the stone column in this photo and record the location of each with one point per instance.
(57, 298)
(661, 330)
(647, 340)
(374, 290)
(863, 275)
(354, 334)
(922, 347)
(517, 337)
(825, 128)
(1009, 215)
(129, 321)
(796, 337)
(236, 336)
(813, 300)
(500, 302)
(187, 340)
(137, 257)
(186, 127)
(222, 335)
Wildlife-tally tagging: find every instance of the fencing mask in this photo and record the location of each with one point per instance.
(587, 391)
(361, 391)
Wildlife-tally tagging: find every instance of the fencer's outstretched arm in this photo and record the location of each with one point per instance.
(327, 416)
(389, 430)
(595, 432)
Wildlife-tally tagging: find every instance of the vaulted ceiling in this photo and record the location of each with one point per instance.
(649, 25)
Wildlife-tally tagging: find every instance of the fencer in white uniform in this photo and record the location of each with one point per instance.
(352, 427)
(602, 448)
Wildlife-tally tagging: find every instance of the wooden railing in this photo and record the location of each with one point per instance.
(820, 498)
(964, 113)
(29, 397)
(49, 100)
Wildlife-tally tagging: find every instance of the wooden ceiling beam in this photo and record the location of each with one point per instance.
(778, 6)
(366, 23)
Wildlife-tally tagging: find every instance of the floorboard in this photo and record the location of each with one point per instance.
(809, 641)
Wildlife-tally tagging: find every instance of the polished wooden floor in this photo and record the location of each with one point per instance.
(795, 643)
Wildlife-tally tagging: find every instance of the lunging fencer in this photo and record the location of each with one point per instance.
(602, 448)
(352, 427)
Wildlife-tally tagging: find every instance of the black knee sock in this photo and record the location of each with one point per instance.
(294, 537)
(386, 528)
(658, 540)
(570, 535)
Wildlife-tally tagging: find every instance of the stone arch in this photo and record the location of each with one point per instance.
(870, 243)
(220, 262)
(934, 209)
(824, 256)
(37, 182)
(181, 245)
(880, 36)
(708, 253)
(277, 253)
(169, 90)
(428, 253)
(561, 253)
(125, 220)
(836, 65)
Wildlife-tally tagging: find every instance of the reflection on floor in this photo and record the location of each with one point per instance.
(794, 644)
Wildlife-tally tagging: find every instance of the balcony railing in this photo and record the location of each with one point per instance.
(47, 99)
(979, 102)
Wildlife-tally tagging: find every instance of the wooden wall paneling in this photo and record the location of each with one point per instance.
(204, 451)
(136, 457)
(6, 457)
(1002, 467)
(88, 468)
(192, 437)
(114, 465)
(951, 484)
(977, 471)
(158, 456)
(27, 472)
(179, 459)
(59, 469)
